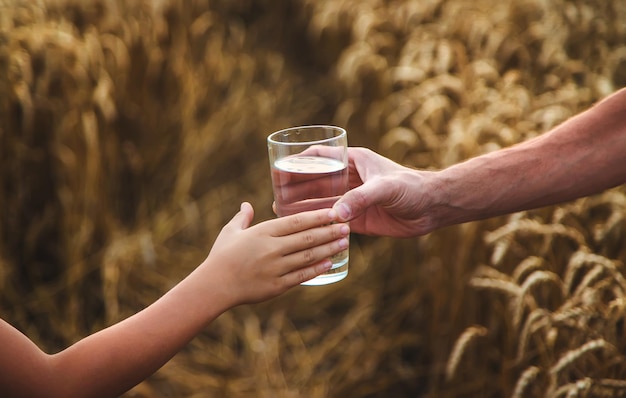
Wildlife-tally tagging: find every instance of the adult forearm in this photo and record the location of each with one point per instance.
(584, 155)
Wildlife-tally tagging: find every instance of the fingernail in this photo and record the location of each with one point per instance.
(343, 210)
(345, 230)
(332, 214)
(343, 243)
(326, 265)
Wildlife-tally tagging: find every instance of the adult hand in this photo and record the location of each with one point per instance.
(385, 198)
(582, 156)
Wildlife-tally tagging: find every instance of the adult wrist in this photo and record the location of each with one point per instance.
(438, 198)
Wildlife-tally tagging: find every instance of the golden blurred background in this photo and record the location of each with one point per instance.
(130, 131)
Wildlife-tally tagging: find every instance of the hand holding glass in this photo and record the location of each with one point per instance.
(309, 167)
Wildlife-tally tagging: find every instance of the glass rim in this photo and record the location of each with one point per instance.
(342, 131)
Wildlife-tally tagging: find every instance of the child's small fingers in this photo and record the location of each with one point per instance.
(313, 237)
(304, 274)
(313, 255)
(291, 224)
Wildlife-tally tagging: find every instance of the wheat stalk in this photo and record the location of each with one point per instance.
(572, 390)
(580, 259)
(500, 248)
(609, 388)
(535, 227)
(460, 346)
(572, 356)
(526, 266)
(538, 319)
(591, 276)
(528, 376)
(534, 279)
(492, 279)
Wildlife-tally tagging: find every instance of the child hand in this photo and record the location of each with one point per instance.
(255, 263)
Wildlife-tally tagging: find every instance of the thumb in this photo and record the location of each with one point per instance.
(243, 218)
(354, 202)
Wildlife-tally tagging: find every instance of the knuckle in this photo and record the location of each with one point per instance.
(336, 231)
(280, 286)
(360, 199)
(361, 150)
(297, 221)
(308, 256)
(308, 238)
(303, 275)
(320, 218)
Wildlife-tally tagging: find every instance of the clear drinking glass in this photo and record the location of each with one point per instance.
(309, 167)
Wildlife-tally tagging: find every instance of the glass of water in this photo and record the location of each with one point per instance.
(309, 168)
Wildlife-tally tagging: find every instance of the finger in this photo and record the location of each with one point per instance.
(243, 218)
(301, 221)
(354, 202)
(335, 152)
(297, 260)
(298, 276)
(313, 237)
(295, 186)
(292, 178)
(301, 186)
(306, 205)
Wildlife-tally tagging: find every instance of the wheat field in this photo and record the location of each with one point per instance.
(130, 131)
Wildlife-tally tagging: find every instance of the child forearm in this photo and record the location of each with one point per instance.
(115, 359)
(110, 362)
